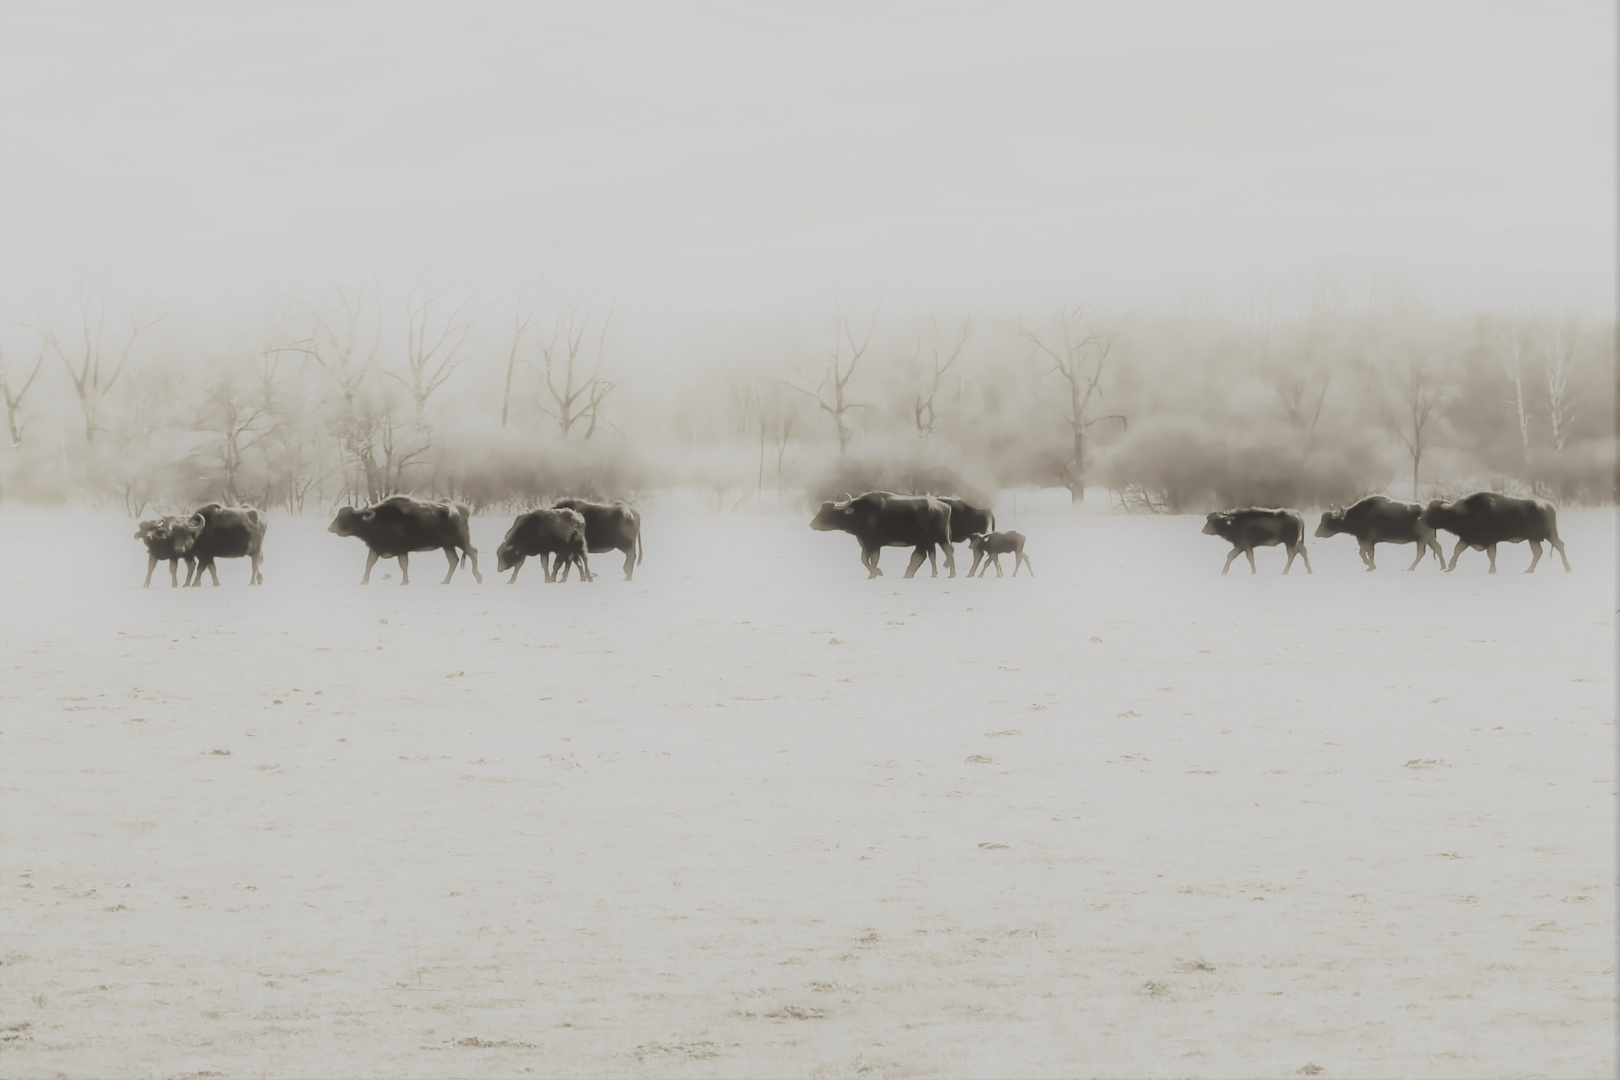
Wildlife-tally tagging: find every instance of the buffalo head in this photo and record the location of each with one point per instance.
(1332, 521)
(834, 515)
(1215, 521)
(350, 521)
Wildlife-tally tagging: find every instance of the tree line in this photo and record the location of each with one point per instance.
(438, 390)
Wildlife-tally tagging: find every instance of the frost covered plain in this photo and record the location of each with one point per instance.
(753, 814)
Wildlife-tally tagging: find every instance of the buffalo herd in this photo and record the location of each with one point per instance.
(1479, 521)
(565, 534)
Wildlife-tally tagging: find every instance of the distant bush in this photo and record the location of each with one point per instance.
(1190, 466)
(915, 469)
(507, 469)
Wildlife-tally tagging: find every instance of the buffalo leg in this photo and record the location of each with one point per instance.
(1023, 560)
(256, 578)
(1234, 553)
(515, 568)
(191, 570)
(977, 555)
(547, 567)
(869, 559)
(1422, 550)
(1367, 554)
(629, 562)
(1535, 556)
(371, 560)
(562, 565)
(584, 567)
(1305, 557)
(174, 571)
(213, 572)
(1490, 552)
(470, 555)
(450, 553)
(917, 558)
(404, 568)
(950, 559)
(1249, 551)
(151, 565)
(1558, 546)
(1456, 553)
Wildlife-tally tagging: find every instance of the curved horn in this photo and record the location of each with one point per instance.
(196, 521)
(844, 501)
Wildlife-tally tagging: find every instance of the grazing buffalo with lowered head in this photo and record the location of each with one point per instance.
(1485, 519)
(400, 524)
(159, 537)
(558, 531)
(879, 519)
(992, 546)
(612, 526)
(1252, 527)
(222, 532)
(1376, 520)
(967, 519)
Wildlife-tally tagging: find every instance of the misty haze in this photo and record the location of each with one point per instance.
(744, 539)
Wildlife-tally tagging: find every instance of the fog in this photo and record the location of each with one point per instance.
(302, 253)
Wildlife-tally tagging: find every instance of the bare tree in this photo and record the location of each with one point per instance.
(88, 363)
(433, 343)
(15, 394)
(1509, 349)
(522, 321)
(575, 388)
(1558, 361)
(1418, 399)
(831, 391)
(1079, 356)
(931, 375)
(241, 424)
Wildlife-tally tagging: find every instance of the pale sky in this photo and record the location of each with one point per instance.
(735, 155)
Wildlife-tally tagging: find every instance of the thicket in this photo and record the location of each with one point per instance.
(425, 392)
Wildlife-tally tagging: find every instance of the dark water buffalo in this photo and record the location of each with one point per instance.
(1253, 527)
(222, 532)
(879, 519)
(992, 546)
(1485, 519)
(159, 537)
(558, 531)
(610, 527)
(400, 524)
(1377, 520)
(967, 519)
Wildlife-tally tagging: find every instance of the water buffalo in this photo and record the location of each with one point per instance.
(558, 531)
(879, 519)
(222, 532)
(1377, 520)
(967, 519)
(159, 537)
(609, 527)
(1485, 519)
(992, 546)
(1253, 527)
(400, 524)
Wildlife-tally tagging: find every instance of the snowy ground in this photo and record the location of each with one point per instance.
(753, 814)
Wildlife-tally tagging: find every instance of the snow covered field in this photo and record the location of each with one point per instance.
(753, 814)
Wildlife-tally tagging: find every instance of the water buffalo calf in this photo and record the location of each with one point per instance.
(992, 546)
(159, 537)
(1255, 527)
